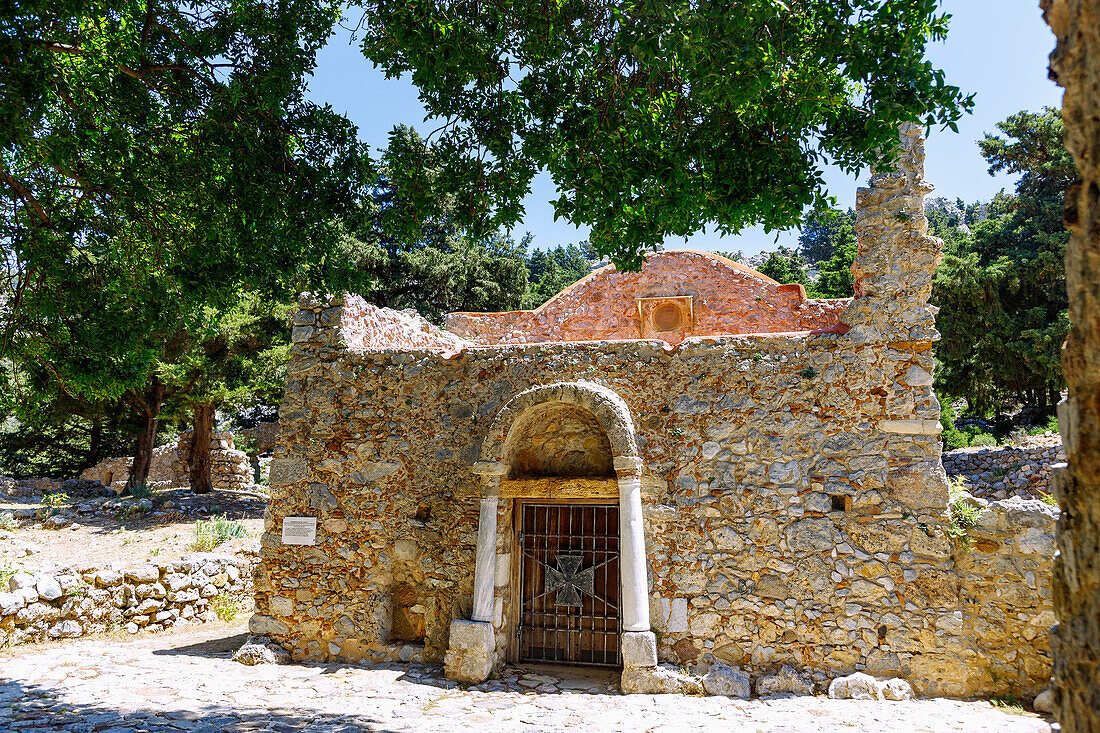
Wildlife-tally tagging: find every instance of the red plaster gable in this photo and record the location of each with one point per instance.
(727, 299)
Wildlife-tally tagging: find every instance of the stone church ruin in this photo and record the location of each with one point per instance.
(676, 469)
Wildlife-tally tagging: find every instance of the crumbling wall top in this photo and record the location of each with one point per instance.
(678, 294)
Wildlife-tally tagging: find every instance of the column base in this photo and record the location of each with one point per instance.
(470, 655)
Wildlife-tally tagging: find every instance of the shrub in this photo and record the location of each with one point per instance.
(225, 606)
(983, 439)
(953, 439)
(964, 515)
(56, 500)
(1050, 427)
(216, 530)
(8, 522)
(141, 491)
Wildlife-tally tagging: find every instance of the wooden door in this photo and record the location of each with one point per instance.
(569, 584)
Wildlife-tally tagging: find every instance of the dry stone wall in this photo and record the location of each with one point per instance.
(230, 468)
(998, 472)
(71, 602)
(794, 501)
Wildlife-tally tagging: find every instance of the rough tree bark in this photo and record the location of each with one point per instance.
(198, 462)
(1075, 640)
(149, 408)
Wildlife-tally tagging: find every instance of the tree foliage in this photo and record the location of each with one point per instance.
(785, 267)
(656, 119)
(553, 270)
(823, 232)
(155, 159)
(412, 244)
(1001, 289)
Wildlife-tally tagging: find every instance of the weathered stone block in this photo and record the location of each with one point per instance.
(639, 649)
(470, 654)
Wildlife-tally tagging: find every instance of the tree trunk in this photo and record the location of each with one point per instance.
(198, 463)
(143, 449)
(95, 439)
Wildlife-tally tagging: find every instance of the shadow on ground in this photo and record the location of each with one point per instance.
(565, 679)
(39, 708)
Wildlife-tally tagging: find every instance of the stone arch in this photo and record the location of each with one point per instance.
(473, 645)
(609, 409)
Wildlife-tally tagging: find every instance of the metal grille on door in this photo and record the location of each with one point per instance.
(569, 584)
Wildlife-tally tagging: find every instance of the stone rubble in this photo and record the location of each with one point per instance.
(998, 472)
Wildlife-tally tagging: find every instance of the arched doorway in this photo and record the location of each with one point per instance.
(552, 452)
(565, 598)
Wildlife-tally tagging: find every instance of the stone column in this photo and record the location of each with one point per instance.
(639, 644)
(1075, 640)
(485, 564)
(472, 650)
(635, 583)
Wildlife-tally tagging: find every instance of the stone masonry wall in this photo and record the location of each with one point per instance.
(729, 298)
(744, 452)
(794, 502)
(73, 602)
(230, 468)
(1075, 65)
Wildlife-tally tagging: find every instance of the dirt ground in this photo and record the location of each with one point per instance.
(112, 531)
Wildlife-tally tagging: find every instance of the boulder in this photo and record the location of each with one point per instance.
(57, 521)
(722, 679)
(858, 686)
(896, 689)
(68, 629)
(1044, 702)
(261, 650)
(48, 588)
(11, 603)
(786, 681)
(659, 680)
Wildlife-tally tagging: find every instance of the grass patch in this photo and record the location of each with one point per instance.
(213, 532)
(141, 491)
(7, 572)
(1009, 705)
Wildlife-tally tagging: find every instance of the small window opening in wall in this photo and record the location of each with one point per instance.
(881, 634)
(841, 502)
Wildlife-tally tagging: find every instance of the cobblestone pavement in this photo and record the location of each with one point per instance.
(184, 681)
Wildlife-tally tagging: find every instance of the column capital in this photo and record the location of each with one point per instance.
(627, 466)
(490, 469)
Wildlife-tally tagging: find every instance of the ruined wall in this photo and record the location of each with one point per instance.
(795, 506)
(745, 446)
(1075, 65)
(728, 298)
(229, 469)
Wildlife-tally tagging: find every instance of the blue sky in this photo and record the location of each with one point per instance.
(996, 49)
